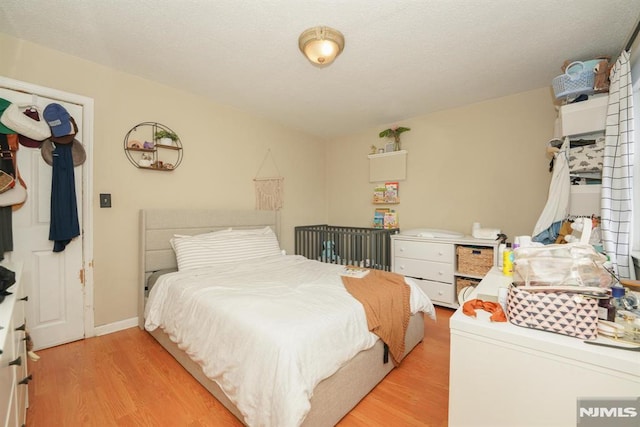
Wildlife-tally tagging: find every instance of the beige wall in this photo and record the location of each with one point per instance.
(223, 150)
(483, 162)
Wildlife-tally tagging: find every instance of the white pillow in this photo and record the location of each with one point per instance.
(250, 231)
(198, 236)
(231, 246)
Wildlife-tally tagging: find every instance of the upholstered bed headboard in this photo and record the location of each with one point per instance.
(157, 226)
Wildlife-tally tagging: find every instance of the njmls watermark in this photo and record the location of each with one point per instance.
(608, 412)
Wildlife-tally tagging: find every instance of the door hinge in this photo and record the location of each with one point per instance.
(81, 276)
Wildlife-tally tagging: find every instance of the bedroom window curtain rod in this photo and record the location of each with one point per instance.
(633, 37)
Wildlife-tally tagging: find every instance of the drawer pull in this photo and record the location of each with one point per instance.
(17, 362)
(21, 327)
(24, 298)
(26, 380)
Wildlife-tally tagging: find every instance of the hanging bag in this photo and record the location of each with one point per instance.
(16, 195)
(6, 182)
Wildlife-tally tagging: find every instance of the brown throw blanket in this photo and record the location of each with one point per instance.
(385, 298)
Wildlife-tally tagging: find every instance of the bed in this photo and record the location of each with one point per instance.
(332, 395)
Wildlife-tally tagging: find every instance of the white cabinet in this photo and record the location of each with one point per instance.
(505, 375)
(586, 120)
(13, 360)
(585, 200)
(432, 263)
(584, 117)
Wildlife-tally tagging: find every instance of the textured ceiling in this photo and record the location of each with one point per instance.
(402, 58)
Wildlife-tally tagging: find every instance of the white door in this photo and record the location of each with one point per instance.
(53, 281)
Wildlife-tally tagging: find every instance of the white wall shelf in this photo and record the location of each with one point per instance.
(391, 166)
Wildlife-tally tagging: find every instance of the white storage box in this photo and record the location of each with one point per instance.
(584, 117)
(585, 200)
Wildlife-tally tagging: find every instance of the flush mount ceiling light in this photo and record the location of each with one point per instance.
(321, 45)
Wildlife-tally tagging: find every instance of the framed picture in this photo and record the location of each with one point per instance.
(388, 147)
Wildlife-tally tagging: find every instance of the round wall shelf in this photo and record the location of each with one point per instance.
(154, 146)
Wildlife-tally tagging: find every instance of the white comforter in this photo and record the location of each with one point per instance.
(266, 330)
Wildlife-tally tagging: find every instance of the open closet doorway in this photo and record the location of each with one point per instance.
(59, 284)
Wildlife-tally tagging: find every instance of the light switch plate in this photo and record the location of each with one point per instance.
(105, 200)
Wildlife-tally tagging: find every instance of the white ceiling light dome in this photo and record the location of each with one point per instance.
(321, 45)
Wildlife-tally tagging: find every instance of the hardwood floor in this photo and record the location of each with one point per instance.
(127, 379)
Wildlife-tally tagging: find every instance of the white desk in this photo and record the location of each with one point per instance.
(506, 375)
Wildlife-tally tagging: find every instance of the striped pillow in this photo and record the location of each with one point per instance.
(229, 246)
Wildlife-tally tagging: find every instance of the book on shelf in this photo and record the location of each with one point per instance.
(379, 194)
(391, 192)
(353, 271)
(390, 220)
(378, 217)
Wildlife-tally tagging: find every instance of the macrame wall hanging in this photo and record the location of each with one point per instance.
(269, 190)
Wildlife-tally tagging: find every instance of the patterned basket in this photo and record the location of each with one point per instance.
(566, 313)
(577, 80)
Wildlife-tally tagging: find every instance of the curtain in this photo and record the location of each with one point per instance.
(617, 169)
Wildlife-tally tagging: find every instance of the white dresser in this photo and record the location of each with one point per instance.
(13, 360)
(506, 375)
(433, 263)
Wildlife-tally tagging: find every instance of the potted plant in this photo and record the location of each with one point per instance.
(394, 132)
(166, 137)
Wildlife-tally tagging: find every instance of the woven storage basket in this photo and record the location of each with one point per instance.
(474, 260)
(463, 282)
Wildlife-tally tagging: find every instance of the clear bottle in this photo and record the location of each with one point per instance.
(617, 297)
(624, 315)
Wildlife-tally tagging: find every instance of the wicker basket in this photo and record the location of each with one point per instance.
(463, 282)
(473, 260)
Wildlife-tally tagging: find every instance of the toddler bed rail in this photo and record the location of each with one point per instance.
(366, 247)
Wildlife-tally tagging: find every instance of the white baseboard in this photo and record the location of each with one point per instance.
(115, 326)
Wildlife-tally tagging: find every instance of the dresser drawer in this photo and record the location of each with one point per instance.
(440, 252)
(438, 292)
(7, 379)
(438, 271)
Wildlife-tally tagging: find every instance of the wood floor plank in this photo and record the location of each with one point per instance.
(128, 379)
